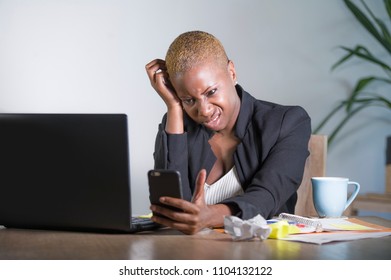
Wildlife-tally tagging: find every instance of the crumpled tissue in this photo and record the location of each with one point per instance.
(246, 229)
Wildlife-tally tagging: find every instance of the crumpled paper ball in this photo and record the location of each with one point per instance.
(246, 229)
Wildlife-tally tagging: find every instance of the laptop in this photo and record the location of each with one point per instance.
(66, 172)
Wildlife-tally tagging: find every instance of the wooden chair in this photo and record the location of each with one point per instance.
(376, 202)
(315, 166)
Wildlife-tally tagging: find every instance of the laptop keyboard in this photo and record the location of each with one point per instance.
(143, 224)
(140, 220)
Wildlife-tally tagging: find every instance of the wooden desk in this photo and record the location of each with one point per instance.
(170, 244)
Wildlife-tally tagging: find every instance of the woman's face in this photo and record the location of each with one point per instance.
(209, 96)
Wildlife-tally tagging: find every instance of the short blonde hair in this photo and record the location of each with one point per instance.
(193, 48)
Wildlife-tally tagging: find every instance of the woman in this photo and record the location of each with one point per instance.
(236, 155)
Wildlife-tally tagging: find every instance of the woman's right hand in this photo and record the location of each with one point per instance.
(158, 76)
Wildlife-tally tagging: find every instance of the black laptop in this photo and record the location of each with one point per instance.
(66, 172)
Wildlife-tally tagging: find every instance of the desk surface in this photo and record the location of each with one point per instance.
(170, 244)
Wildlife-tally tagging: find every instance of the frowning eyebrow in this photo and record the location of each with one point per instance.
(209, 89)
(205, 92)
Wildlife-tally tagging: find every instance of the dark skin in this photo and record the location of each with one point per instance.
(208, 95)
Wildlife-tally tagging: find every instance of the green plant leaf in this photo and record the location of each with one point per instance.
(363, 53)
(360, 85)
(382, 26)
(387, 4)
(366, 23)
(343, 59)
(360, 97)
(386, 33)
(328, 117)
(351, 53)
(385, 100)
(376, 100)
(344, 121)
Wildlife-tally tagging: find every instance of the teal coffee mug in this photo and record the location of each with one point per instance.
(330, 195)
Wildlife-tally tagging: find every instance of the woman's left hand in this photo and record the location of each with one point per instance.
(192, 216)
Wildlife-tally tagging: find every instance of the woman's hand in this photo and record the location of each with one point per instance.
(194, 216)
(158, 76)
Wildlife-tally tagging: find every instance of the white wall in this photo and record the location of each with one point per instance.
(89, 56)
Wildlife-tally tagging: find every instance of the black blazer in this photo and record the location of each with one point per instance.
(269, 160)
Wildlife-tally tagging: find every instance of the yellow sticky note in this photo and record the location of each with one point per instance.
(282, 229)
(351, 227)
(146, 216)
(279, 229)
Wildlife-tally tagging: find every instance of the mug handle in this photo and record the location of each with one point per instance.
(354, 194)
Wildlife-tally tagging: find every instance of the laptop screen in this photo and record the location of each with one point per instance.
(67, 171)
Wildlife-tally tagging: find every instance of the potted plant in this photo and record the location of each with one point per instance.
(362, 95)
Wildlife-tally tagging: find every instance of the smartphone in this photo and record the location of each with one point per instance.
(164, 183)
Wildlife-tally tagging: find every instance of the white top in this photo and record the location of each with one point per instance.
(226, 187)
